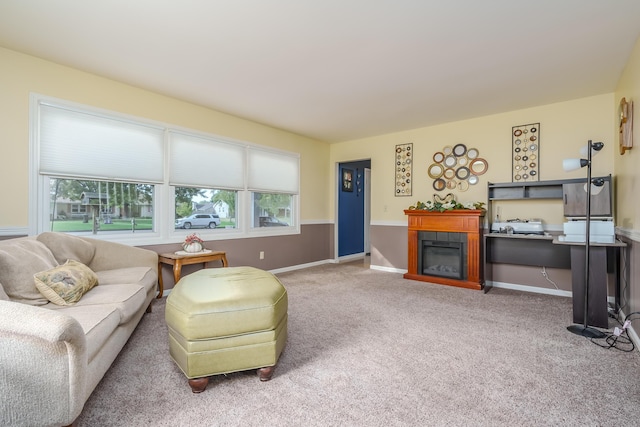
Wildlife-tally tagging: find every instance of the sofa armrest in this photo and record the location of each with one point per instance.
(43, 366)
(112, 255)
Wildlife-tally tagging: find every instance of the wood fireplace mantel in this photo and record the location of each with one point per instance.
(460, 221)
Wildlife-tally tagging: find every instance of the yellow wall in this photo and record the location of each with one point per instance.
(627, 165)
(565, 127)
(22, 74)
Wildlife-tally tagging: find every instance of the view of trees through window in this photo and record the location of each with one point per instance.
(99, 206)
(84, 205)
(205, 201)
(272, 209)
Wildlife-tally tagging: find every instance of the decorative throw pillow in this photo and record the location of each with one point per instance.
(67, 283)
(20, 259)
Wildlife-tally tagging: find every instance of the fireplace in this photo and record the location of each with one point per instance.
(442, 254)
(445, 247)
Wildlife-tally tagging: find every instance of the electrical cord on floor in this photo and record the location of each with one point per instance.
(619, 338)
(546, 276)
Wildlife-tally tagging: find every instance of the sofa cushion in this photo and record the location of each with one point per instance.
(64, 247)
(20, 259)
(126, 299)
(143, 276)
(3, 294)
(66, 283)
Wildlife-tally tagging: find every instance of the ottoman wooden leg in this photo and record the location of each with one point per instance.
(266, 373)
(198, 384)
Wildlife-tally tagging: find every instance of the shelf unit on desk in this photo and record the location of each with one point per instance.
(538, 190)
(524, 251)
(528, 250)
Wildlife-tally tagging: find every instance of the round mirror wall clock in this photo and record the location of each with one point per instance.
(450, 161)
(456, 167)
(435, 170)
(463, 172)
(459, 150)
(449, 173)
(478, 166)
(439, 184)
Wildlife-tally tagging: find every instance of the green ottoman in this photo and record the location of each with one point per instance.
(224, 320)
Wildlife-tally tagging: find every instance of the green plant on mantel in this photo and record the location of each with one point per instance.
(446, 205)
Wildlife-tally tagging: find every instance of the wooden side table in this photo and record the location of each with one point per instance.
(179, 260)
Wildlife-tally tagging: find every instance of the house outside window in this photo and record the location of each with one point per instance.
(206, 201)
(272, 210)
(92, 206)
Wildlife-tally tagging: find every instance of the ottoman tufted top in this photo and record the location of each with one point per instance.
(222, 302)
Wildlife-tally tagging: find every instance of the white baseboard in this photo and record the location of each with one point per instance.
(301, 266)
(352, 257)
(633, 336)
(387, 269)
(534, 289)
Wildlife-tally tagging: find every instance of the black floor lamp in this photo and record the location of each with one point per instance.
(569, 165)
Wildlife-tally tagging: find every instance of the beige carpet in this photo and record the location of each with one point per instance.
(368, 348)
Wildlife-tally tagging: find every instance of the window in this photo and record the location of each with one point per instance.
(127, 178)
(273, 181)
(75, 208)
(199, 207)
(272, 210)
(91, 206)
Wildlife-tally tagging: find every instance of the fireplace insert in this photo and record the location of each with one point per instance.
(442, 254)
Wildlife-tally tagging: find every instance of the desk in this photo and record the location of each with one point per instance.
(600, 256)
(179, 260)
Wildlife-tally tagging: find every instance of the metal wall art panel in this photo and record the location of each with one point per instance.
(404, 169)
(525, 153)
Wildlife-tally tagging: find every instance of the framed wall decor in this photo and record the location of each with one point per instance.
(456, 167)
(625, 111)
(347, 180)
(404, 167)
(525, 153)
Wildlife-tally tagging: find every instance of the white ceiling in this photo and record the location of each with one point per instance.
(337, 70)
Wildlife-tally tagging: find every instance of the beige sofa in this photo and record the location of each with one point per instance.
(53, 356)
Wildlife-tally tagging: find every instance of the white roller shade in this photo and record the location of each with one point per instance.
(271, 171)
(90, 145)
(205, 162)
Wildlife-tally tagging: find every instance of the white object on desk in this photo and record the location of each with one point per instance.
(599, 232)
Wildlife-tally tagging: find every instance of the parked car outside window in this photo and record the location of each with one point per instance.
(198, 220)
(270, 221)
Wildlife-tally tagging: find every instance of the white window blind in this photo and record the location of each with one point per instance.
(205, 162)
(82, 144)
(270, 171)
